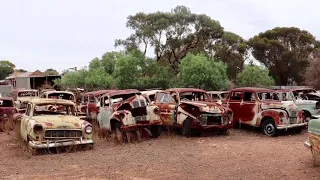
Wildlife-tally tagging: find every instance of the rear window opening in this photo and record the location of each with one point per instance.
(6, 103)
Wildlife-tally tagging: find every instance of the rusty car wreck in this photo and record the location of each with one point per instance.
(125, 113)
(42, 128)
(22, 96)
(192, 110)
(260, 107)
(7, 111)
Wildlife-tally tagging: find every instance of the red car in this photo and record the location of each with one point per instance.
(7, 110)
(261, 108)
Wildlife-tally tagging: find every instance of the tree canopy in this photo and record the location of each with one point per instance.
(285, 51)
(199, 71)
(6, 68)
(255, 76)
(51, 72)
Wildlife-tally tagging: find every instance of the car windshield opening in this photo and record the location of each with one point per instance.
(27, 94)
(194, 96)
(268, 96)
(54, 109)
(6, 103)
(65, 96)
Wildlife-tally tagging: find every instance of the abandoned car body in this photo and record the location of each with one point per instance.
(90, 104)
(313, 141)
(42, 128)
(127, 110)
(192, 109)
(22, 96)
(7, 111)
(260, 107)
(310, 108)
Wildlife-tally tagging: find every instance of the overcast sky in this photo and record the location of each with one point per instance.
(60, 34)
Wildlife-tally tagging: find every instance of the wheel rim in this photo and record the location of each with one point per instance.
(119, 135)
(269, 128)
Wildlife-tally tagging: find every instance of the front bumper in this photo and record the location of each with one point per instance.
(67, 142)
(292, 125)
(214, 127)
(307, 144)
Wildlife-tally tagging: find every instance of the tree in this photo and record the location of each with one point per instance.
(230, 49)
(254, 76)
(20, 70)
(72, 79)
(199, 71)
(285, 51)
(97, 79)
(312, 73)
(172, 35)
(6, 68)
(51, 72)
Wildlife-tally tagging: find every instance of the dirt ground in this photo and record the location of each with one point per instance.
(243, 154)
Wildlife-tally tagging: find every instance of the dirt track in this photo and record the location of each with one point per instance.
(241, 155)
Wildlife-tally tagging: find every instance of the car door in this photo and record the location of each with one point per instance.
(167, 106)
(233, 102)
(105, 113)
(248, 107)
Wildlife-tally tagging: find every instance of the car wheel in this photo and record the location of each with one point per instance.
(186, 131)
(118, 133)
(223, 131)
(155, 131)
(269, 128)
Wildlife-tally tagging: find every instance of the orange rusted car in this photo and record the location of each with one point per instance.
(261, 108)
(191, 110)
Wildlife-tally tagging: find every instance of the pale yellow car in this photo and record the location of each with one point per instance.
(60, 126)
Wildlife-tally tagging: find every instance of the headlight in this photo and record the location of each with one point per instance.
(5, 115)
(37, 128)
(88, 129)
(156, 111)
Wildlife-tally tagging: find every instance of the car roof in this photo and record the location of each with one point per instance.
(217, 92)
(253, 89)
(150, 92)
(122, 92)
(6, 98)
(181, 90)
(37, 101)
(66, 92)
(99, 92)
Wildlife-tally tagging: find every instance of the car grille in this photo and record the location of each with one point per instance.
(140, 103)
(23, 105)
(211, 119)
(294, 113)
(63, 134)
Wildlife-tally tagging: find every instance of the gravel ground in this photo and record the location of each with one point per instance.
(243, 154)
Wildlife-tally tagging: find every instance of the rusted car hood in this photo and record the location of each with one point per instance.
(207, 106)
(58, 121)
